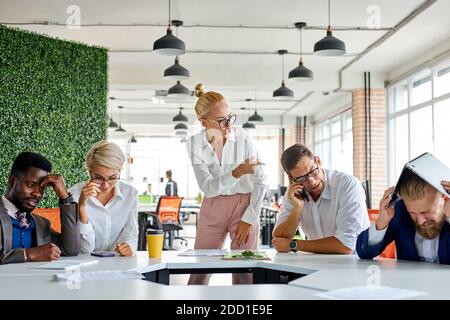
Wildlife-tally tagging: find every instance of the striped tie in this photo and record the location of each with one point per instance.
(21, 217)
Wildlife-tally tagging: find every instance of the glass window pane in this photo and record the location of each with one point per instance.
(336, 127)
(441, 131)
(318, 149)
(421, 132)
(421, 88)
(336, 154)
(326, 130)
(400, 98)
(399, 126)
(442, 83)
(348, 120)
(348, 153)
(318, 132)
(325, 155)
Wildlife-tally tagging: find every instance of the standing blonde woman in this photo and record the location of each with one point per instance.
(107, 205)
(225, 164)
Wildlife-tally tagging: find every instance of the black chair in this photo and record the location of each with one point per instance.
(268, 219)
(366, 187)
(146, 220)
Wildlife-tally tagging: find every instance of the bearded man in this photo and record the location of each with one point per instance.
(419, 224)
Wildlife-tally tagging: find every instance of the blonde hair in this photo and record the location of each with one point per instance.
(106, 154)
(205, 100)
(413, 187)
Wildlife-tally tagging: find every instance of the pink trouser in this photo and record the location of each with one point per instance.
(218, 216)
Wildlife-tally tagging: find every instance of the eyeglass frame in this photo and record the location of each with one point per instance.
(225, 120)
(307, 175)
(114, 180)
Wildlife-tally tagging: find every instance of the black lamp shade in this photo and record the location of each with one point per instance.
(178, 90)
(301, 73)
(120, 129)
(248, 126)
(180, 118)
(283, 93)
(169, 45)
(180, 126)
(329, 46)
(176, 72)
(112, 123)
(133, 139)
(256, 117)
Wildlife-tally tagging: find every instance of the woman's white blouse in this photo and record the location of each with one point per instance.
(215, 178)
(111, 224)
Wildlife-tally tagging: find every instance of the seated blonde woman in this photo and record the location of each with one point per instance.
(107, 205)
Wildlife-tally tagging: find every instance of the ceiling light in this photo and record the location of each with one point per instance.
(180, 117)
(329, 46)
(178, 91)
(300, 73)
(283, 92)
(169, 45)
(120, 129)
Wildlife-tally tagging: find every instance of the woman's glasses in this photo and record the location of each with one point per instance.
(223, 123)
(99, 180)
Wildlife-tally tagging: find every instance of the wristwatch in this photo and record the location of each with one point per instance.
(293, 245)
(67, 200)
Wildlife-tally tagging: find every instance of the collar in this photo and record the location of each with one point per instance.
(117, 191)
(326, 193)
(231, 136)
(11, 209)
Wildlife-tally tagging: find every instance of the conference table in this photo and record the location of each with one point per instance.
(313, 274)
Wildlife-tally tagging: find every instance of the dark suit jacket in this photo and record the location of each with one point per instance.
(402, 230)
(168, 189)
(68, 241)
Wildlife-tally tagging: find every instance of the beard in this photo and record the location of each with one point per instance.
(432, 230)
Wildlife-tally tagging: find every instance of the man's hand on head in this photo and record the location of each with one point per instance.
(56, 181)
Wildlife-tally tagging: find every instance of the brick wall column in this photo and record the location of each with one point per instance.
(379, 147)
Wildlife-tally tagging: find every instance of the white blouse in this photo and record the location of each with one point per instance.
(111, 224)
(215, 178)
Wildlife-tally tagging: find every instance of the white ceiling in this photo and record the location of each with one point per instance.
(134, 76)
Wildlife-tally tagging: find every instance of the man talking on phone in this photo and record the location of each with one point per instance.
(329, 206)
(27, 237)
(418, 223)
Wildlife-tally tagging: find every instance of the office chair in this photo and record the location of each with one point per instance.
(168, 213)
(366, 187)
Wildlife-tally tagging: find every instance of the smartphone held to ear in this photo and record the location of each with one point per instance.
(302, 195)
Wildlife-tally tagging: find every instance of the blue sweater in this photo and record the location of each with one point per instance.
(402, 230)
(23, 238)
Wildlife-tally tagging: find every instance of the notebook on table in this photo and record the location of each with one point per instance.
(65, 264)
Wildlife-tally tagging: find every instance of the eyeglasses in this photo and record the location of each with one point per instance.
(223, 123)
(100, 180)
(314, 172)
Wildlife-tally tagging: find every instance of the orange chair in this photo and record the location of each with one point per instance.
(389, 252)
(168, 213)
(51, 214)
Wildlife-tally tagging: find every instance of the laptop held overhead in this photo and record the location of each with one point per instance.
(427, 167)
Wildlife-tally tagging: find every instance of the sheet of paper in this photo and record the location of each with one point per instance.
(98, 275)
(203, 252)
(65, 264)
(370, 293)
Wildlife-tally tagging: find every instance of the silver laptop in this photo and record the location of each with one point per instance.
(427, 167)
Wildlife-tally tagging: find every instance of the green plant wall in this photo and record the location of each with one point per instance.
(53, 99)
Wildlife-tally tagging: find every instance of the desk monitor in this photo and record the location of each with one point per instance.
(427, 167)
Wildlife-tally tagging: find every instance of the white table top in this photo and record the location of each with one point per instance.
(323, 272)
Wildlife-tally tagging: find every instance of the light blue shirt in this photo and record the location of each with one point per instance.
(340, 210)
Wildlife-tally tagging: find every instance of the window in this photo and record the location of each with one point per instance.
(418, 115)
(267, 143)
(333, 142)
(148, 160)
